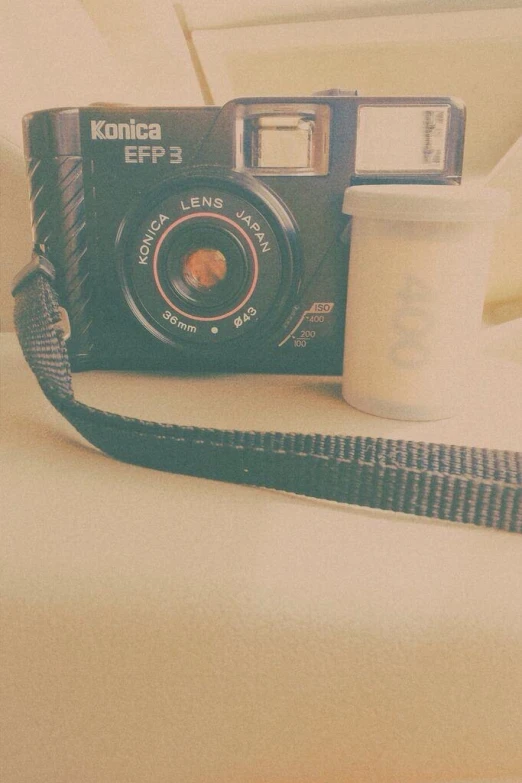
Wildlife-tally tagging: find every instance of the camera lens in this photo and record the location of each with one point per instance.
(204, 268)
(209, 262)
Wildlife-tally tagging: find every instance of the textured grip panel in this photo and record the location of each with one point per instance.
(59, 224)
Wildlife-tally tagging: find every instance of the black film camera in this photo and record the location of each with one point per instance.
(212, 238)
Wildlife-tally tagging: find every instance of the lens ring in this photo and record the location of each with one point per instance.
(250, 245)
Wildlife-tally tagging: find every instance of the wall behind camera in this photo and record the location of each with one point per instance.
(73, 52)
(472, 54)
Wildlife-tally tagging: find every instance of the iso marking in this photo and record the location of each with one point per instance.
(316, 314)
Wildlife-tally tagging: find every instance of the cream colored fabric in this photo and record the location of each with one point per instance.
(165, 629)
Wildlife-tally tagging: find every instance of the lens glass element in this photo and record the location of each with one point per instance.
(204, 268)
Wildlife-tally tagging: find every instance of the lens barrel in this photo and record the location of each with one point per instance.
(209, 261)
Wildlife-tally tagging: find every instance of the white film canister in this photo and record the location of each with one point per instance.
(417, 277)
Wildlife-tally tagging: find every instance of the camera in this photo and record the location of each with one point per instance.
(212, 238)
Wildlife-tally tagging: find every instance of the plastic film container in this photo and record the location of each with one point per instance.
(418, 269)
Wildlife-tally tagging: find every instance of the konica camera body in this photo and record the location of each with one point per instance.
(213, 238)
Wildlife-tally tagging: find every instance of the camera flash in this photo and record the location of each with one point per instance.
(401, 138)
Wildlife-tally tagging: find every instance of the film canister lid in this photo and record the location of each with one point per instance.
(426, 203)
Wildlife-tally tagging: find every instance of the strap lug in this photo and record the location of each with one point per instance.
(37, 265)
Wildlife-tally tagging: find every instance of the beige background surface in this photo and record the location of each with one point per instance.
(174, 630)
(164, 629)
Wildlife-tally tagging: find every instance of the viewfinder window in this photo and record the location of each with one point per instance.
(278, 142)
(282, 142)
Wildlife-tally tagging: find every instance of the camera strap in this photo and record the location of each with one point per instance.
(458, 483)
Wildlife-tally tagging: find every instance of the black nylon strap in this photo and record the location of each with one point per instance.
(480, 486)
